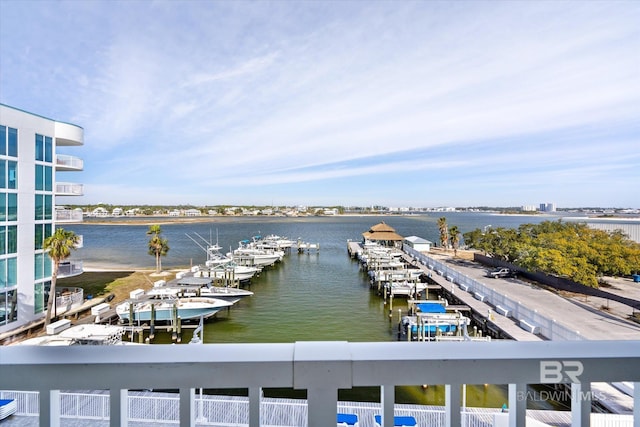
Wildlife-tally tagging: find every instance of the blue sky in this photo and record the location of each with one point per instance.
(410, 103)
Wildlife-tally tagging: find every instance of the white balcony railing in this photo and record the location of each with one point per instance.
(65, 162)
(66, 215)
(68, 189)
(321, 368)
(70, 268)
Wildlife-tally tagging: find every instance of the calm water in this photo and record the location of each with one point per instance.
(311, 296)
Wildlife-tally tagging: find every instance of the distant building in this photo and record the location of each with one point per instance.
(547, 207)
(192, 212)
(528, 208)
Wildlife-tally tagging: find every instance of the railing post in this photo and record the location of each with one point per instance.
(452, 405)
(388, 396)
(636, 404)
(323, 406)
(255, 395)
(49, 408)
(187, 403)
(118, 407)
(517, 405)
(581, 404)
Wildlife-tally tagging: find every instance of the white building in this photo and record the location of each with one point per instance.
(29, 163)
(418, 243)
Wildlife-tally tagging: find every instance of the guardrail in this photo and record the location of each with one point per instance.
(320, 368)
(70, 268)
(547, 327)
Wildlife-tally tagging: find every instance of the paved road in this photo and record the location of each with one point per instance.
(579, 313)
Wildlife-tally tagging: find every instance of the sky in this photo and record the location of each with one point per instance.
(353, 103)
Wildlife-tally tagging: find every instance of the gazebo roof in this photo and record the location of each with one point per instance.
(381, 231)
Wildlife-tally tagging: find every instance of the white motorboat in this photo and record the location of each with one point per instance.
(168, 310)
(225, 293)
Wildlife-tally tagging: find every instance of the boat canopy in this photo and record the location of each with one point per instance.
(431, 307)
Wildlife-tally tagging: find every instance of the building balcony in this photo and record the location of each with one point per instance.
(68, 215)
(68, 163)
(69, 189)
(69, 135)
(70, 268)
(321, 368)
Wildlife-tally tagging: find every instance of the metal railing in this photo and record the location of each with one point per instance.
(66, 162)
(320, 368)
(69, 189)
(67, 215)
(70, 268)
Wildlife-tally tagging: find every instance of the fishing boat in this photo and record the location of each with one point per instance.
(190, 288)
(170, 309)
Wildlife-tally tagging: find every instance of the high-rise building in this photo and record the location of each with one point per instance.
(29, 163)
(547, 207)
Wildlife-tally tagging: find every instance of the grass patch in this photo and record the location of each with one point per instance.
(104, 283)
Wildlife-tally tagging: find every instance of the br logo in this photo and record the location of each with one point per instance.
(555, 371)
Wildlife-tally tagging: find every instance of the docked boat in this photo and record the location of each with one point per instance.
(169, 310)
(189, 287)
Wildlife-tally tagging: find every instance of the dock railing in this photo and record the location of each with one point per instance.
(548, 327)
(320, 368)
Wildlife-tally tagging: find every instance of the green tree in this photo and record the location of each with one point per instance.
(59, 246)
(454, 234)
(158, 246)
(444, 232)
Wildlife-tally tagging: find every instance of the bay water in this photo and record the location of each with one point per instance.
(313, 296)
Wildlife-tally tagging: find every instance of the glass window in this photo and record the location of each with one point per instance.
(12, 207)
(3, 206)
(48, 178)
(39, 147)
(48, 149)
(12, 149)
(8, 307)
(3, 274)
(38, 267)
(3, 174)
(39, 239)
(38, 295)
(12, 169)
(3, 140)
(39, 211)
(3, 239)
(48, 266)
(48, 206)
(12, 272)
(39, 177)
(12, 239)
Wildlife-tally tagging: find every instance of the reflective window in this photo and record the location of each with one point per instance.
(3, 274)
(8, 307)
(48, 149)
(48, 178)
(3, 206)
(39, 211)
(38, 298)
(40, 147)
(12, 239)
(12, 207)
(12, 142)
(48, 206)
(12, 272)
(12, 175)
(3, 174)
(3, 140)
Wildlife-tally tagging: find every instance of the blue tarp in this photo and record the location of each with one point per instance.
(431, 307)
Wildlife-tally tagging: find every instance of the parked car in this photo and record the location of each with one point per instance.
(502, 272)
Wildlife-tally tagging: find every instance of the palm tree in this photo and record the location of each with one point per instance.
(444, 232)
(158, 246)
(59, 246)
(454, 232)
